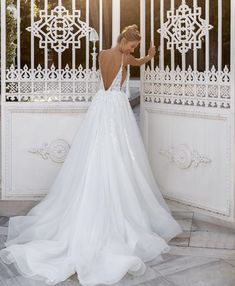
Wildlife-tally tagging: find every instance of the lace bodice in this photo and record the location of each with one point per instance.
(116, 83)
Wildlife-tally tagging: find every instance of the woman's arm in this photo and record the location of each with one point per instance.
(140, 61)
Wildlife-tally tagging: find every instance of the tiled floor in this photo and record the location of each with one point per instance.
(209, 259)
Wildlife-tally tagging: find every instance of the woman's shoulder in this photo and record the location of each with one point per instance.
(110, 54)
(102, 52)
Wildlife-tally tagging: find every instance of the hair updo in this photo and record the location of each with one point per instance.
(130, 33)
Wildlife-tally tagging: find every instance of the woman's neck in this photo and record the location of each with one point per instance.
(118, 48)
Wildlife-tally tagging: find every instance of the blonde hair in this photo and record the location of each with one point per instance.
(130, 33)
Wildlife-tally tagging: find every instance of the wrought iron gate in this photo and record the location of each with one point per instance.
(187, 102)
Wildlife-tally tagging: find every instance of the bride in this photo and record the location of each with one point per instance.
(104, 215)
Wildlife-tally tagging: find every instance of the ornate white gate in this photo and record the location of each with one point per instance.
(43, 104)
(187, 109)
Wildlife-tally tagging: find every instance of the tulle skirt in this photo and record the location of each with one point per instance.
(104, 215)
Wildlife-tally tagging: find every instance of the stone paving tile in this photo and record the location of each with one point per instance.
(2, 240)
(198, 225)
(212, 274)
(176, 264)
(3, 230)
(185, 220)
(230, 261)
(214, 240)
(4, 220)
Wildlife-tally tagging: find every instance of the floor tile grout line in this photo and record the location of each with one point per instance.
(186, 269)
(227, 262)
(191, 230)
(210, 231)
(164, 278)
(201, 247)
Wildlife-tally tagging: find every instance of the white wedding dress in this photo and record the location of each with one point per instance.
(104, 215)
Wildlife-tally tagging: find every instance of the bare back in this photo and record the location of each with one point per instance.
(109, 65)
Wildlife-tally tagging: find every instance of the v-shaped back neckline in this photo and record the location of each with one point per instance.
(120, 68)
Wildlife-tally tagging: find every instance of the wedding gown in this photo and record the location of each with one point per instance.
(104, 215)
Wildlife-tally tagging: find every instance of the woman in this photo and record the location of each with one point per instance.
(104, 215)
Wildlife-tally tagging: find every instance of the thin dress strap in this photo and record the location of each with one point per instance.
(122, 61)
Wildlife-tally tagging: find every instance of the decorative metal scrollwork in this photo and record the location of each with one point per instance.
(59, 28)
(205, 89)
(184, 28)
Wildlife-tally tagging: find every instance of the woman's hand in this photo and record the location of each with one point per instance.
(152, 50)
(131, 60)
